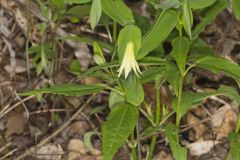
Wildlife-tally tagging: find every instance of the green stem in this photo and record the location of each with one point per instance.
(114, 31)
(152, 146)
(133, 147)
(228, 156)
(237, 129)
(157, 121)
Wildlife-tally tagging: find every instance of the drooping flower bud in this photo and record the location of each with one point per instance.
(129, 62)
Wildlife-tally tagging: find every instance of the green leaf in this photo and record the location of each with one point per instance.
(78, 1)
(218, 64)
(199, 48)
(180, 51)
(68, 90)
(172, 75)
(80, 11)
(187, 18)
(120, 123)
(151, 130)
(118, 11)
(234, 145)
(133, 89)
(236, 8)
(58, 3)
(186, 103)
(98, 54)
(142, 22)
(229, 91)
(115, 99)
(199, 4)
(75, 66)
(166, 4)
(223, 90)
(179, 153)
(129, 33)
(162, 27)
(210, 15)
(96, 12)
(151, 74)
(87, 141)
(190, 99)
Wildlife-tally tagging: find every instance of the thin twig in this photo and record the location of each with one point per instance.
(4, 147)
(23, 104)
(8, 154)
(3, 113)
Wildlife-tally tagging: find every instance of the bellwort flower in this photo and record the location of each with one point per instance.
(129, 62)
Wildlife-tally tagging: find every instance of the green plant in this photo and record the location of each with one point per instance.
(135, 61)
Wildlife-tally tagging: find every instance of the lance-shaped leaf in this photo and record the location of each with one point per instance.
(120, 123)
(78, 1)
(199, 4)
(236, 8)
(218, 64)
(180, 51)
(190, 99)
(133, 89)
(160, 30)
(96, 12)
(68, 90)
(210, 15)
(179, 153)
(118, 11)
(187, 18)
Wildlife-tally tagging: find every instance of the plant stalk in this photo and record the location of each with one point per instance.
(133, 147)
(237, 129)
(114, 37)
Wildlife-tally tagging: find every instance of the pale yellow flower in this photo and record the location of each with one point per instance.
(129, 62)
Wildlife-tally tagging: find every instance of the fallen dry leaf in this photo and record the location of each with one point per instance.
(228, 125)
(163, 156)
(16, 124)
(201, 147)
(78, 128)
(76, 145)
(84, 56)
(199, 130)
(224, 121)
(218, 117)
(50, 152)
